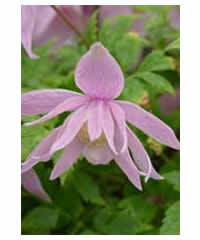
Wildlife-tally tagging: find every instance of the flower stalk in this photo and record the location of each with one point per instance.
(68, 22)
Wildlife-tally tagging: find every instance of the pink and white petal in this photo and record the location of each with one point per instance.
(69, 104)
(108, 125)
(71, 127)
(98, 154)
(68, 158)
(126, 164)
(42, 151)
(94, 123)
(31, 183)
(119, 117)
(149, 124)
(141, 157)
(43, 101)
(98, 74)
(28, 16)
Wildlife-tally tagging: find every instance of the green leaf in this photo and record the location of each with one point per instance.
(156, 61)
(40, 220)
(91, 32)
(87, 187)
(174, 45)
(158, 83)
(127, 51)
(171, 222)
(174, 179)
(113, 29)
(134, 90)
(30, 137)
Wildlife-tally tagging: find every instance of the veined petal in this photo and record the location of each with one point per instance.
(31, 183)
(119, 117)
(141, 157)
(42, 151)
(126, 164)
(43, 101)
(28, 15)
(68, 158)
(71, 127)
(150, 124)
(98, 154)
(98, 74)
(68, 105)
(108, 126)
(94, 123)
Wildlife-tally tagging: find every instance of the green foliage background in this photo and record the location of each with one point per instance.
(91, 199)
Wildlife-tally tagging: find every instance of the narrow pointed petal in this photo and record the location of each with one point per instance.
(149, 124)
(108, 126)
(98, 154)
(43, 101)
(68, 105)
(141, 157)
(31, 183)
(94, 124)
(42, 151)
(28, 15)
(98, 74)
(126, 164)
(119, 117)
(71, 127)
(68, 158)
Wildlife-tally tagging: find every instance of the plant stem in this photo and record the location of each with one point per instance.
(68, 22)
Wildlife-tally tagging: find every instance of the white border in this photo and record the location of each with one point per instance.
(10, 119)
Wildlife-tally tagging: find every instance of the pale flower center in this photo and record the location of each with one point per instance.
(83, 136)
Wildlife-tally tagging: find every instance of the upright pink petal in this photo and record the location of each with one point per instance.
(98, 74)
(71, 127)
(119, 117)
(68, 158)
(43, 101)
(94, 123)
(108, 126)
(68, 105)
(150, 124)
(126, 164)
(42, 151)
(31, 183)
(98, 154)
(141, 157)
(28, 15)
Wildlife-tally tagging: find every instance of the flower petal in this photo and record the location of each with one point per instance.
(31, 183)
(43, 101)
(126, 164)
(70, 155)
(141, 157)
(98, 74)
(42, 151)
(68, 105)
(27, 24)
(94, 123)
(71, 127)
(98, 154)
(108, 126)
(150, 124)
(119, 117)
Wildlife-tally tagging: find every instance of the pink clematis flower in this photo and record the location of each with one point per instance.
(97, 125)
(31, 183)
(40, 23)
